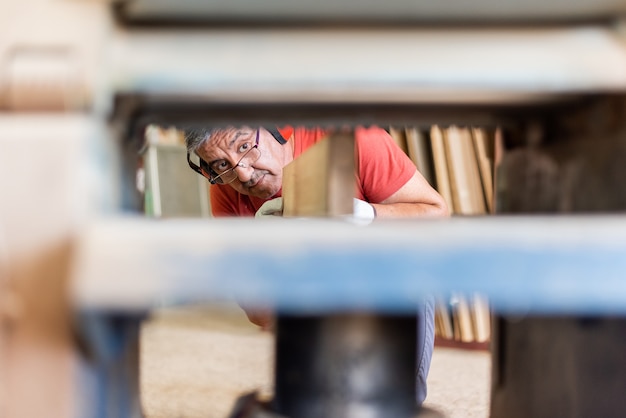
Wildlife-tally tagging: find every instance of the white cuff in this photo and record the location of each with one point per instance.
(362, 213)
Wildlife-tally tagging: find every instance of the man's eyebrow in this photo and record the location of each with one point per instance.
(236, 138)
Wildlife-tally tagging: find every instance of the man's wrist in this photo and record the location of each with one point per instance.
(375, 211)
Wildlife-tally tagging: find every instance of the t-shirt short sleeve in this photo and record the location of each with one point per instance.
(383, 168)
(225, 201)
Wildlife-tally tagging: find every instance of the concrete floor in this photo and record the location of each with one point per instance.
(196, 361)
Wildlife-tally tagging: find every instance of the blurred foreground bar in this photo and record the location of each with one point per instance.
(539, 264)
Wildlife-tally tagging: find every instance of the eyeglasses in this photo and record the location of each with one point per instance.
(221, 172)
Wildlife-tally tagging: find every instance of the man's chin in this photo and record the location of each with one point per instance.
(264, 189)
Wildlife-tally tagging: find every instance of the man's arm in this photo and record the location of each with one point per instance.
(415, 198)
(389, 180)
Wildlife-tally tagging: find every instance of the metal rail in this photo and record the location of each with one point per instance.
(539, 264)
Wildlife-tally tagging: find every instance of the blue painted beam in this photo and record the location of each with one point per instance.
(555, 265)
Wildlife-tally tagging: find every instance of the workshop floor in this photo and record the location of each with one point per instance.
(197, 361)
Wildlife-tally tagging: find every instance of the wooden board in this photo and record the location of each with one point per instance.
(419, 150)
(321, 181)
(38, 183)
(466, 188)
(441, 166)
(485, 165)
(399, 138)
(44, 369)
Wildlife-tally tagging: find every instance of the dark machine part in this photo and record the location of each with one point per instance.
(570, 365)
(345, 365)
(250, 406)
(342, 365)
(559, 367)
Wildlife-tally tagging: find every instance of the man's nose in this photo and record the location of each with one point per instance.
(244, 171)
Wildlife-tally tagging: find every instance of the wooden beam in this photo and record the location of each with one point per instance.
(54, 361)
(321, 181)
(38, 185)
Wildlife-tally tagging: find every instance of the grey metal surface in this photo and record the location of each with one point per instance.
(521, 263)
(86, 59)
(404, 65)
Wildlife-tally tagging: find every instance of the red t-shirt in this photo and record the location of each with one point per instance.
(383, 168)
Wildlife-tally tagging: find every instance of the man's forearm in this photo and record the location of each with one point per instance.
(410, 210)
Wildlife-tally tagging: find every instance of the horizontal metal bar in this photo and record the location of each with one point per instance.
(368, 11)
(522, 264)
(405, 65)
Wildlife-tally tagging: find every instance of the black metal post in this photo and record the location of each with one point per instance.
(345, 365)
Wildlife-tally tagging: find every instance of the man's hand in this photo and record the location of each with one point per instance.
(272, 207)
(264, 318)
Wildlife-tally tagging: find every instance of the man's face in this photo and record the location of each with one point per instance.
(262, 178)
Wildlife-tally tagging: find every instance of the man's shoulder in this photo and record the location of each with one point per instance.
(370, 132)
(306, 137)
(310, 134)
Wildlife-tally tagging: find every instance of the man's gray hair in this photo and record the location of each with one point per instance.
(196, 137)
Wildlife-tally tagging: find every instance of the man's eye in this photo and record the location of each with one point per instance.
(244, 147)
(220, 166)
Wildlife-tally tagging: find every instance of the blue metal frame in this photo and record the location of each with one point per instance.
(521, 264)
